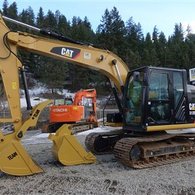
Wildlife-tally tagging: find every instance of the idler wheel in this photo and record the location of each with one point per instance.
(135, 153)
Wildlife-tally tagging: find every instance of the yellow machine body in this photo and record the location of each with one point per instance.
(15, 160)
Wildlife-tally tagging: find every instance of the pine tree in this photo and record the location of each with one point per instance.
(111, 32)
(40, 18)
(178, 33)
(155, 35)
(81, 30)
(160, 46)
(5, 8)
(27, 16)
(149, 54)
(177, 48)
(64, 26)
(134, 41)
(162, 49)
(190, 42)
(50, 21)
(13, 11)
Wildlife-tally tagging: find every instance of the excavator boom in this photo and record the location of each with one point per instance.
(14, 159)
(87, 56)
(55, 46)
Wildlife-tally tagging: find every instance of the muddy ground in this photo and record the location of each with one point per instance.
(106, 176)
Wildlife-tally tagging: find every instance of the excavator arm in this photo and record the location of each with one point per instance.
(13, 157)
(62, 48)
(10, 78)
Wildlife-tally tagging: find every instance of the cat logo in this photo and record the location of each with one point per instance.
(67, 52)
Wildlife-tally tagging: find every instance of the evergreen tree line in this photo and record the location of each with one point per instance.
(126, 39)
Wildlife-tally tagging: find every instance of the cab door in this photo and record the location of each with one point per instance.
(180, 105)
(159, 101)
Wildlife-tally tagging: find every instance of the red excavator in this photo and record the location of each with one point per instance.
(79, 111)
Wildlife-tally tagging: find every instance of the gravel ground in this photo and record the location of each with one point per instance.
(106, 176)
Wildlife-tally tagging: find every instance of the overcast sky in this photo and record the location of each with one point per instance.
(162, 13)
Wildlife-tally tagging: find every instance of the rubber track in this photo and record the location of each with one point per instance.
(89, 142)
(92, 139)
(123, 147)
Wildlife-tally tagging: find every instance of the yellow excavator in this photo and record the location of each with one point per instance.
(14, 159)
(156, 106)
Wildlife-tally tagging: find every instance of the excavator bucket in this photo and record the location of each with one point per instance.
(14, 160)
(67, 149)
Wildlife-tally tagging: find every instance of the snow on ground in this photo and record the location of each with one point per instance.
(99, 129)
(38, 90)
(34, 101)
(37, 137)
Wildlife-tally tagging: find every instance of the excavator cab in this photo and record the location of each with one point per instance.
(156, 96)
